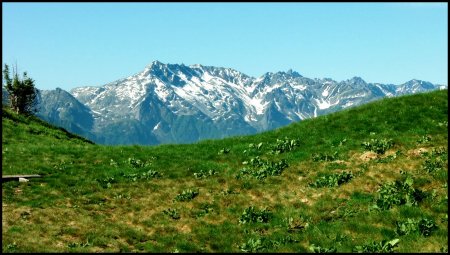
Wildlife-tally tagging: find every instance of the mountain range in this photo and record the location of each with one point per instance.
(172, 103)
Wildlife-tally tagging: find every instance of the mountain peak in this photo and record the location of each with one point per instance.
(357, 80)
(289, 73)
(196, 66)
(154, 64)
(421, 83)
(415, 81)
(293, 73)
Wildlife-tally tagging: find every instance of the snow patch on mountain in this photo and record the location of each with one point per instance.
(325, 92)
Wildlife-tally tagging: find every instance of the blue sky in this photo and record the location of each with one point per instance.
(68, 45)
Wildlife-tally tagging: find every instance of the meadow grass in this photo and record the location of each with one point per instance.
(95, 198)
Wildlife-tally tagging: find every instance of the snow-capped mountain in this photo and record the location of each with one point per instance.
(171, 103)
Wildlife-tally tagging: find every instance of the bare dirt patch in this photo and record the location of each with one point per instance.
(417, 152)
(185, 228)
(368, 155)
(341, 162)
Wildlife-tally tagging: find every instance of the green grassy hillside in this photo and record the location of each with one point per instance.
(369, 179)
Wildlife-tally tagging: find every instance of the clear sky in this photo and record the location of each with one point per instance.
(68, 45)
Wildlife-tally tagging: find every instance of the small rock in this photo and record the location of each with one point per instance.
(22, 179)
(304, 200)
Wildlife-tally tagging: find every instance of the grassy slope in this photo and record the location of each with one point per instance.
(89, 199)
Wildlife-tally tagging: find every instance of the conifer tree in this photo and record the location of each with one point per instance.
(22, 93)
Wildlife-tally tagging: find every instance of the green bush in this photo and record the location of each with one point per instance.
(424, 139)
(389, 158)
(426, 226)
(205, 208)
(285, 145)
(332, 180)
(398, 193)
(318, 249)
(378, 146)
(227, 192)
(423, 226)
(439, 152)
(106, 182)
(224, 151)
(263, 243)
(172, 213)
(250, 215)
(384, 246)
(295, 225)
(254, 149)
(137, 163)
(320, 157)
(253, 245)
(10, 247)
(77, 245)
(205, 173)
(435, 160)
(150, 174)
(432, 165)
(113, 163)
(406, 227)
(261, 169)
(186, 195)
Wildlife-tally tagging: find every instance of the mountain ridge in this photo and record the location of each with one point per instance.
(173, 103)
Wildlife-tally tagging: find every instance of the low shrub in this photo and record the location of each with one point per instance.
(172, 213)
(107, 181)
(260, 244)
(254, 149)
(204, 209)
(205, 173)
(260, 169)
(224, 151)
(251, 215)
(186, 195)
(432, 165)
(423, 226)
(378, 146)
(254, 245)
(321, 157)
(384, 246)
(318, 249)
(424, 139)
(150, 174)
(398, 193)
(285, 145)
(332, 180)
